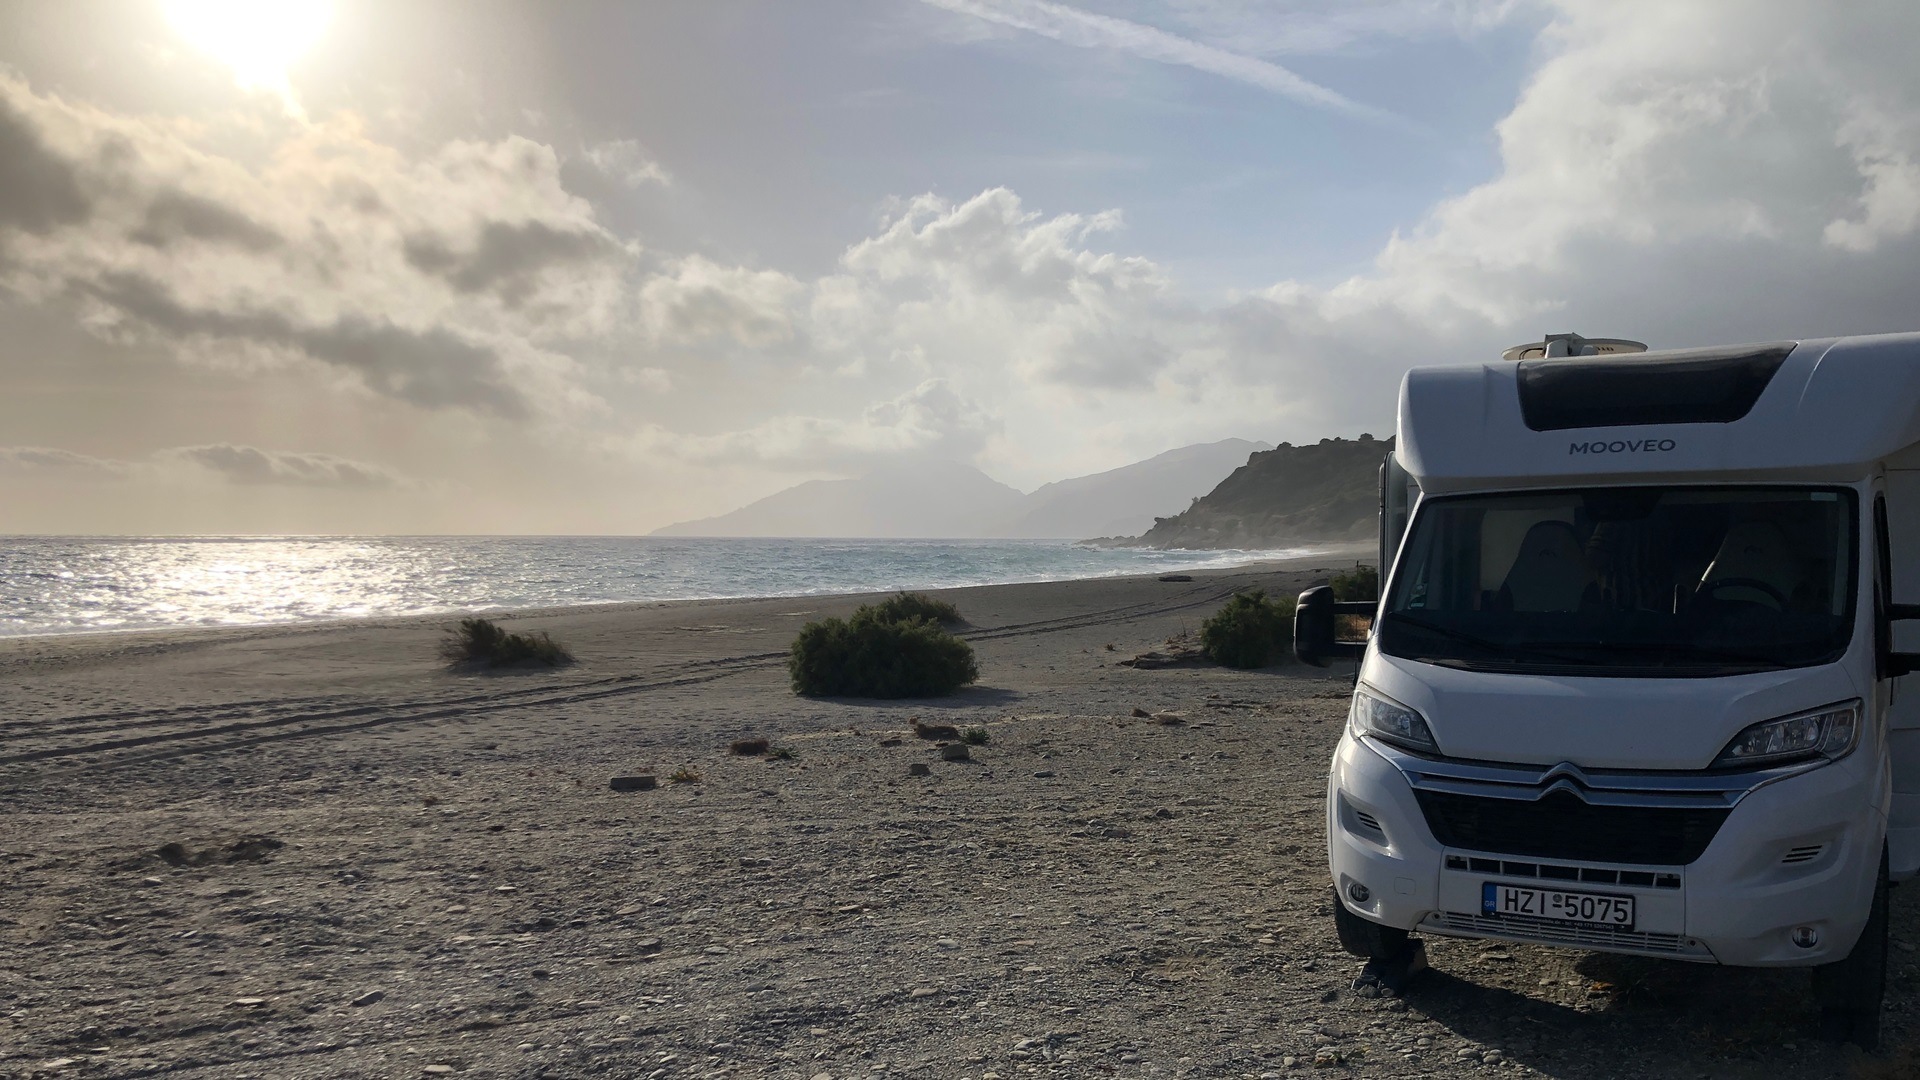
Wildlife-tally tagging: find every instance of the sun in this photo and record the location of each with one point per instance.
(257, 39)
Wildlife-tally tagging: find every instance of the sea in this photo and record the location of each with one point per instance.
(77, 584)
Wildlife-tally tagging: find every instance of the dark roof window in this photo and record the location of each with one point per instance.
(1679, 386)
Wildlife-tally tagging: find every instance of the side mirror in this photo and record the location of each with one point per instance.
(1315, 638)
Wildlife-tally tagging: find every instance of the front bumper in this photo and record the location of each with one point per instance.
(1803, 851)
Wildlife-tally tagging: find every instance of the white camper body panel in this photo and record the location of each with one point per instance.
(1835, 411)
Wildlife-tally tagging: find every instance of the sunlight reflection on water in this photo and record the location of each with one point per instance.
(65, 584)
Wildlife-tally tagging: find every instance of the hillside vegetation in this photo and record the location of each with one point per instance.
(1284, 496)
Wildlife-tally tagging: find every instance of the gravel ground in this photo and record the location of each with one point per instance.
(233, 872)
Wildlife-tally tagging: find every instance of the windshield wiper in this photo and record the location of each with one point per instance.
(1488, 644)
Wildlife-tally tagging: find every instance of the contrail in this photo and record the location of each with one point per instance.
(1072, 26)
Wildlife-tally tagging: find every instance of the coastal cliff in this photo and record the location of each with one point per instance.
(1282, 497)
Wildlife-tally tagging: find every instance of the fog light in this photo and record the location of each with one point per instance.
(1358, 893)
(1805, 936)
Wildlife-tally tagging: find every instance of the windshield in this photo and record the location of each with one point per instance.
(1627, 581)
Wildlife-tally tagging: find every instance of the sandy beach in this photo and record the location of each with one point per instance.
(313, 850)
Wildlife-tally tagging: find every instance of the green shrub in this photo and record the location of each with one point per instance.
(481, 641)
(902, 607)
(1251, 631)
(871, 655)
(1361, 583)
(974, 736)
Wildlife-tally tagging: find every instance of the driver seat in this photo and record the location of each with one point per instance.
(1550, 573)
(1755, 551)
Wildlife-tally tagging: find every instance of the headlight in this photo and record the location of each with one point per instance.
(1384, 718)
(1830, 731)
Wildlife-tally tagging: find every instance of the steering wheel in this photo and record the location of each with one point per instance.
(1709, 588)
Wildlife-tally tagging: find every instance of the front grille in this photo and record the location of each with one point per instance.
(1564, 826)
(1592, 875)
(1578, 935)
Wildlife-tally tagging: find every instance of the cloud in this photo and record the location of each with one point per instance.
(930, 420)
(219, 462)
(1283, 27)
(989, 284)
(1084, 29)
(506, 259)
(249, 465)
(44, 459)
(39, 189)
(623, 160)
(433, 368)
(700, 300)
(461, 279)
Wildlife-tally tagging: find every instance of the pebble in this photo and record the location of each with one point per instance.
(632, 783)
(149, 881)
(506, 888)
(947, 943)
(368, 998)
(922, 992)
(955, 752)
(438, 1070)
(818, 1031)
(1043, 774)
(526, 1048)
(246, 1003)
(1492, 1057)
(919, 768)
(1466, 1052)
(822, 1076)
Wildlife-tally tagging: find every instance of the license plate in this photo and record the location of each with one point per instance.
(1574, 907)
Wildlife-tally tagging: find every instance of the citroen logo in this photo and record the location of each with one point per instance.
(1565, 777)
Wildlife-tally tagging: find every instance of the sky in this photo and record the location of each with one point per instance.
(586, 268)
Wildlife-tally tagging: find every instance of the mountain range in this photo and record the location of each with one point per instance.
(928, 498)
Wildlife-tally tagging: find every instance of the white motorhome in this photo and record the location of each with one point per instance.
(1633, 683)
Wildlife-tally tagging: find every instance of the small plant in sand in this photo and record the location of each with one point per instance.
(748, 747)
(1251, 631)
(779, 753)
(482, 641)
(683, 776)
(1360, 583)
(906, 606)
(873, 655)
(974, 736)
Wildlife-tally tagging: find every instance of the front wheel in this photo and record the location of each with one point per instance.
(1850, 991)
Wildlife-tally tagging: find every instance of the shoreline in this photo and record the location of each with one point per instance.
(1333, 551)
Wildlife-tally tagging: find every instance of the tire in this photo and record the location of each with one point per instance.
(1850, 991)
(1364, 938)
